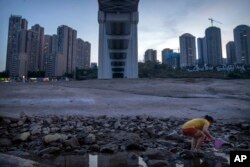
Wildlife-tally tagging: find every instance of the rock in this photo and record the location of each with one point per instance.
(80, 152)
(117, 125)
(20, 123)
(5, 142)
(166, 143)
(72, 142)
(242, 145)
(154, 154)
(46, 130)
(109, 148)
(36, 129)
(187, 154)
(50, 150)
(79, 124)
(157, 163)
(11, 160)
(49, 120)
(174, 136)
(94, 148)
(245, 126)
(7, 121)
(66, 128)
(151, 131)
(54, 129)
(24, 136)
(13, 125)
(90, 139)
(51, 138)
(232, 138)
(88, 129)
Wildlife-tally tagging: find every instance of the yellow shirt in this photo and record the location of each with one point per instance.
(197, 123)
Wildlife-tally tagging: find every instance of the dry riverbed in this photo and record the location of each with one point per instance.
(50, 122)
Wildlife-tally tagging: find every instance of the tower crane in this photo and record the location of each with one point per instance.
(212, 20)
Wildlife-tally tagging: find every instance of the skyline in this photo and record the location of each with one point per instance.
(168, 22)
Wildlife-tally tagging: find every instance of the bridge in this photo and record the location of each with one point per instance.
(118, 48)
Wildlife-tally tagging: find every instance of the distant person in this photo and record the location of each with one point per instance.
(198, 129)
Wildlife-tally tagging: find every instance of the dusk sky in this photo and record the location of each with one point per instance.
(161, 22)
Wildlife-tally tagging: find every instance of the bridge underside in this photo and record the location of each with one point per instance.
(118, 39)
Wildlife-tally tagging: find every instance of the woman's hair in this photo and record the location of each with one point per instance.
(209, 118)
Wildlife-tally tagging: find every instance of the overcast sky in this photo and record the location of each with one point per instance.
(161, 22)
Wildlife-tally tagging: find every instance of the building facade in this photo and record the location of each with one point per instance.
(118, 53)
(82, 58)
(40, 31)
(13, 59)
(231, 56)
(50, 51)
(242, 44)
(202, 51)
(164, 54)
(66, 50)
(32, 43)
(213, 43)
(150, 55)
(187, 50)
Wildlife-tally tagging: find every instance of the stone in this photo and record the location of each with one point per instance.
(24, 136)
(11, 160)
(7, 121)
(54, 129)
(13, 125)
(157, 163)
(109, 148)
(187, 154)
(94, 148)
(20, 123)
(46, 130)
(154, 154)
(49, 120)
(245, 126)
(90, 139)
(167, 143)
(117, 125)
(72, 142)
(66, 128)
(51, 138)
(5, 142)
(174, 136)
(36, 129)
(50, 150)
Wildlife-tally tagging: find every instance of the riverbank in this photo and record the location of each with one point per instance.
(156, 140)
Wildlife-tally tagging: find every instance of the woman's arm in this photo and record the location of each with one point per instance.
(206, 132)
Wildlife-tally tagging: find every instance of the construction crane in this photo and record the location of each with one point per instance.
(212, 20)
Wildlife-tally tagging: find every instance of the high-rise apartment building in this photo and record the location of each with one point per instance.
(87, 51)
(82, 58)
(150, 55)
(213, 43)
(187, 50)
(16, 25)
(118, 53)
(50, 50)
(231, 56)
(164, 54)
(32, 50)
(242, 44)
(40, 30)
(202, 51)
(66, 50)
